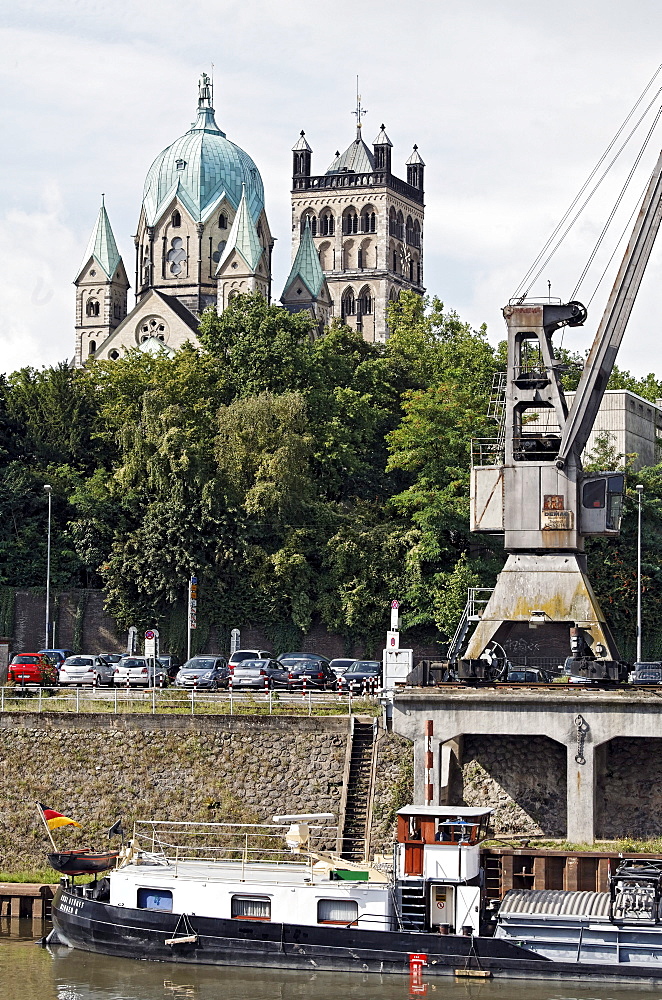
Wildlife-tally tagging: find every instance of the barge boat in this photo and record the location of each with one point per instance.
(271, 896)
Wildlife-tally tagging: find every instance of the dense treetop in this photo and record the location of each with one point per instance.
(301, 479)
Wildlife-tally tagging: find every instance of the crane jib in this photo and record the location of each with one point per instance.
(602, 355)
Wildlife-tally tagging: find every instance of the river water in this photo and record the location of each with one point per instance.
(28, 972)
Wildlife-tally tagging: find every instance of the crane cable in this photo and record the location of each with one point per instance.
(613, 212)
(528, 280)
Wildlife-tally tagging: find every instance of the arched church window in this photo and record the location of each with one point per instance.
(392, 223)
(367, 221)
(92, 308)
(259, 230)
(417, 233)
(222, 221)
(176, 219)
(364, 302)
(327, 224)
(311, 219)
(395, 261)
(116, 310)
(400, 226)
(176, 256)
(410, 230)
(91, 347)
(347, 304)
(418, 272)
(350, 222)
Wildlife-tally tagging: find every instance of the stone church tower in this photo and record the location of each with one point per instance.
(367, 226)
(101, 290)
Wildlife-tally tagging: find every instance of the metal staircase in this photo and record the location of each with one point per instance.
(477, 598)
(411, 905)
(356, 809)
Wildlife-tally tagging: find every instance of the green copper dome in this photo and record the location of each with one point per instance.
(201, 168)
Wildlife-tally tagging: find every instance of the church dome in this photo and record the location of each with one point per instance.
(201, 169)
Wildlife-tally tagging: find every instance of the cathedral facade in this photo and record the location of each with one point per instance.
(203, 237)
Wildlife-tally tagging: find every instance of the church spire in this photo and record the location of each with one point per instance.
(359, 112)
(102, 245)
(243, 237)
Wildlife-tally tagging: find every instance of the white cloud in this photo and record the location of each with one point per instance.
(510, 103)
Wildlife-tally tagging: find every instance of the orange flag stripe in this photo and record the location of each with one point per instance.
(53, 824)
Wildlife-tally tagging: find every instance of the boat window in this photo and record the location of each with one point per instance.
(251, 907)
(337, 911)
(155, 899)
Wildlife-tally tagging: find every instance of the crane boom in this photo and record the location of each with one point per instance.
(600, 361)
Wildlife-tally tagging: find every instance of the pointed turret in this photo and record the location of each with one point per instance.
(301, 157)
(382, 146)
(243, 266)
(102, 245)
(415, 168)
(101, 289)
(306, 287)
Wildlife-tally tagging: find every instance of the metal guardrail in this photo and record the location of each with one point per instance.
(487, 451)
(171, 701)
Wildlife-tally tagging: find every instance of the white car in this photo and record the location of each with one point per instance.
(84, 668)
(136, 671)
(248, 654)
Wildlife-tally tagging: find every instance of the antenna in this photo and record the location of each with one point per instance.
(360, 111)
(212, 86)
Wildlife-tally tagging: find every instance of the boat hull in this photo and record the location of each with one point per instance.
(94, 926)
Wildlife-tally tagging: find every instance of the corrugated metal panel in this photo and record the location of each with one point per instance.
(556, 902)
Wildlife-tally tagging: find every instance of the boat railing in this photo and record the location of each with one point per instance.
(175, 843)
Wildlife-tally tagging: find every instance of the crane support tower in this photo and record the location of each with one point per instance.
(528, 483)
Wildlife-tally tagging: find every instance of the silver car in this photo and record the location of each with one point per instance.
(85, 668)
(137, 671)
(259, 675)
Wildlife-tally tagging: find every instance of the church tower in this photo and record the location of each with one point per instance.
(306, 289)
(366, 224)
(101, 290)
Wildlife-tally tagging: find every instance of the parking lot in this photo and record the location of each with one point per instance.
(157, 701)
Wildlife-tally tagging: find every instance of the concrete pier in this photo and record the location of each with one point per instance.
(582, 720)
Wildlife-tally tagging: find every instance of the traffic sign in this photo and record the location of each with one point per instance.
(149, 634)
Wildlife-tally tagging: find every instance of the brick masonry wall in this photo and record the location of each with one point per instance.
(521, 777)
(100, 633)
(96, 768)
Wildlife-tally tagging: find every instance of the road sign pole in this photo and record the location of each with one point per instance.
(192, 610)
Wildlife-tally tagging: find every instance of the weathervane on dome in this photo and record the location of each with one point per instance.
(360, 111)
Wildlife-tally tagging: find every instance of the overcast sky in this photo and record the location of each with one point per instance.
(511, 104)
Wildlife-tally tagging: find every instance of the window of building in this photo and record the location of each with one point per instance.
(395, 261)
(347, 304)
(368, 221)
(92, 308)
(364, 303)
(327, 224)
(176, 256)
(250, 908)
(417, 233)
(312, 220)
(116, 310)
(91, 347)
(418, 272)
(360, 260)
(400, 226)
(392, 223)
(114, 355)
(176, 219)
(337, 911)
(410, 230)
(350, 222)
(155, 899)
(180, 164)
(222, 221)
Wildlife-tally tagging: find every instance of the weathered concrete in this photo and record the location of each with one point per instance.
(581, 720)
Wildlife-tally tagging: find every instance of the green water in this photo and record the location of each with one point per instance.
(28, 972)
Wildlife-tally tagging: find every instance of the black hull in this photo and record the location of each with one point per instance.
(141, 934)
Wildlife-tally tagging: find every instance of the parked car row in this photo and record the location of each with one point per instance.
(246, 669)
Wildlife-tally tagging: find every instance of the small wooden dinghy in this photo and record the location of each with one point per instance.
(83, 861)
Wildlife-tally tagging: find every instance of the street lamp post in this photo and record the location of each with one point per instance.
(640, 490)
(48, 568)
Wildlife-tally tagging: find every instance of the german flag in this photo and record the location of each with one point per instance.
(53, 819)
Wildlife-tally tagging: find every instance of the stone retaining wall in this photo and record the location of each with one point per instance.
(96, 768)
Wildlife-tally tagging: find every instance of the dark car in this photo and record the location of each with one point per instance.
(210, 672)
(289, 659)
(527, 675)
(649, 672)
(361, 675)
(316, 674)
(259, 675)
(171, 663)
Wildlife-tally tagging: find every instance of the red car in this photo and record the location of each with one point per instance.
(32, 668)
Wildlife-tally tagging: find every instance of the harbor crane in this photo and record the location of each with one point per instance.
(529, 483)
